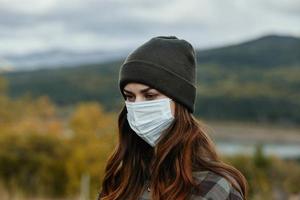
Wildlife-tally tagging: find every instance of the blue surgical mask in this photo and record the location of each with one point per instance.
(149, 118)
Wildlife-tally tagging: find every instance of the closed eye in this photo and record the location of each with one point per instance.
(150, 96)
(128, 96)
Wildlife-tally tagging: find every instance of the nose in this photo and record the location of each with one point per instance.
(138, 98)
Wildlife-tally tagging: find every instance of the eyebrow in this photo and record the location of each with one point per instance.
(141, 91)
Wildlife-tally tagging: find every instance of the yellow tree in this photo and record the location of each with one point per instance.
(93, 138)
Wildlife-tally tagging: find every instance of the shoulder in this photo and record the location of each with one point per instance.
(213, 187)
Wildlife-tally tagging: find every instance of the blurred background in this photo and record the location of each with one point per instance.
(59, 96)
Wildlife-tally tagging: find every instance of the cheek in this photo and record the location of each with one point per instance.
(173, 108)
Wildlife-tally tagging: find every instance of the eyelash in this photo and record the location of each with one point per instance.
(151, 95)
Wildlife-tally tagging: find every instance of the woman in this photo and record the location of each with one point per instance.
(163, 152)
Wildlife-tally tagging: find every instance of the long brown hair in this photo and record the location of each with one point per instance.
(184, 148)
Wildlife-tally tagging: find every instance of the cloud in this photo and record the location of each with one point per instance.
(120, 24)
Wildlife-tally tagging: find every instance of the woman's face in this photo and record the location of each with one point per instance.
(136, 92)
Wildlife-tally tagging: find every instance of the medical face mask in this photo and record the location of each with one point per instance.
(149, 118)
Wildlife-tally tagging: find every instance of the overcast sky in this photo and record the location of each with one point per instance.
(38, 25)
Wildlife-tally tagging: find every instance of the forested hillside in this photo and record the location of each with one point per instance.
(257, 80)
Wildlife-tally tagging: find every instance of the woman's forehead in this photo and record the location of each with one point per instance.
(137, 87)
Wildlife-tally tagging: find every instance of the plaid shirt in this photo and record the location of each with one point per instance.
(214, 187)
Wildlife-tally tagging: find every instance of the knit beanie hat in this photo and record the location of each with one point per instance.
(165, 63)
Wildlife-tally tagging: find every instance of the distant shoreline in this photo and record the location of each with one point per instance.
(252, 132)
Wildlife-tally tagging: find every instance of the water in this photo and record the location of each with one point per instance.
(278, 149)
